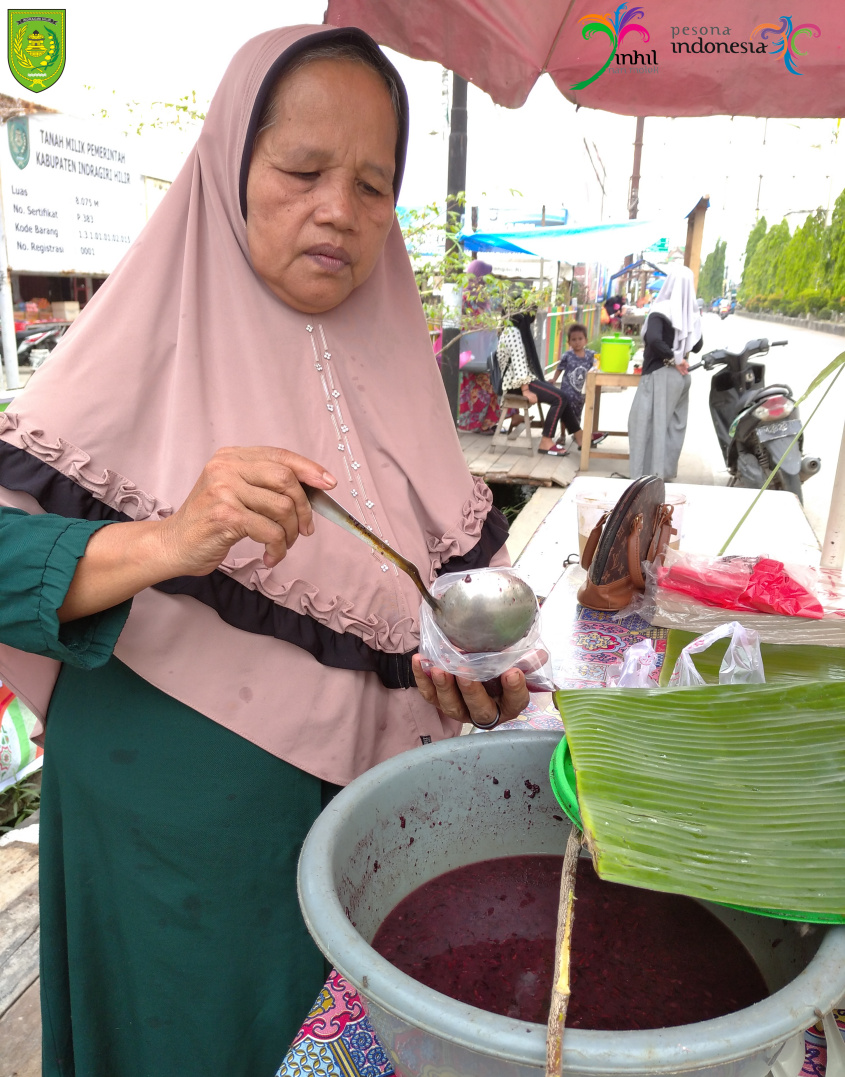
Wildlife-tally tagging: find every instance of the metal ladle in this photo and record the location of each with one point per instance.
(488, 612)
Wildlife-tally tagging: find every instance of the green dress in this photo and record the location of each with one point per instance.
(171, 939)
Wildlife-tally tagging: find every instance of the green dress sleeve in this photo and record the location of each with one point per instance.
(38, 557)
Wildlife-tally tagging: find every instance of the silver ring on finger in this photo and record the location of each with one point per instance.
(489, 725)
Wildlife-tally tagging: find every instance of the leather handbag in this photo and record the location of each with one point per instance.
(637, 529)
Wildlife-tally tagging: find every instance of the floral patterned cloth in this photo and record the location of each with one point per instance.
(336, 1039)
(478, 405)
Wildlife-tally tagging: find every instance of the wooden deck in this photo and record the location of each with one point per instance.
(20, 1005)
(515, 464)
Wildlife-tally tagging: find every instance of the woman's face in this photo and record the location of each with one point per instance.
(320, 187)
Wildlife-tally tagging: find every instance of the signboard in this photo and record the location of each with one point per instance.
(73, 200)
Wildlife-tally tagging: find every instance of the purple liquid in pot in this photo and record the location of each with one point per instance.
(484, 934)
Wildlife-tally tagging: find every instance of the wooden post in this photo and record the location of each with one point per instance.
(695, 233)
(833, 547)
(634, 190)
(456, 183)
(634, 195)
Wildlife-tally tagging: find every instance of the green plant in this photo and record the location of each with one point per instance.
(812, 300)
(511, 498)
(185, 113)
(485, 300)
(825, 314)
(712, 277)
(19, 801)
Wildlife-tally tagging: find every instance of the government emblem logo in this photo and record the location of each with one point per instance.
(36, 46)
(18, 131)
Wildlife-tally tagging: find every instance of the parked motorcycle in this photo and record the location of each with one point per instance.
(756, 423)
(37, 340)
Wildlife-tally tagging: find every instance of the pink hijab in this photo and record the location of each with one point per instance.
(185, 350)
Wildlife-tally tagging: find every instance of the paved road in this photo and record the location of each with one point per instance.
(807, 353)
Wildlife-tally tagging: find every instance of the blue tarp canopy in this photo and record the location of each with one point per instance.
(635, 265)
(605, 243)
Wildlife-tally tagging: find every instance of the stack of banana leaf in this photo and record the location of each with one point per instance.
(729, 793)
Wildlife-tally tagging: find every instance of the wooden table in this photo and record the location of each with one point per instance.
(632, 321)
(592, 401)
(777, 527)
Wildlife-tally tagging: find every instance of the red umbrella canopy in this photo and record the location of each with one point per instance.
(654, 58)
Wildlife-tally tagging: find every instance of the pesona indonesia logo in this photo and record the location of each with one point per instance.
(616, 27)
(779, 39)
(786, 36)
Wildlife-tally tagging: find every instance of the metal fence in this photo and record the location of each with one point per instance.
(552, 330)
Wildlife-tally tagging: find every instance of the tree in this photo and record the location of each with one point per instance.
(712, 276)
(836, 252)
(432, 229)
(754, 237)
(764, 274)
(802, 270)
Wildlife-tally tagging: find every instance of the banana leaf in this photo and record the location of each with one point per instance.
(782, 663)
(731, 793)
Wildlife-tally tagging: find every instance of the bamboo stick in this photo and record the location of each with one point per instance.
(563, 945)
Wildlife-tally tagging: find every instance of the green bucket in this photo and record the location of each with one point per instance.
(615, 354)
(562, 778)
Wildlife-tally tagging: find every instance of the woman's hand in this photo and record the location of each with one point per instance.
(683, 366)
(529, 396)
(468, 701)
(243, 493)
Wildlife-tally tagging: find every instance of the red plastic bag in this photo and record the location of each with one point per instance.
(772, 590)
(713, 581)
(737, 583)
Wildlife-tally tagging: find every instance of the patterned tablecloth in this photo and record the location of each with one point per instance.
(336, 1039)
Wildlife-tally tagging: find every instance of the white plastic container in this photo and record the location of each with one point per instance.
(437, 808)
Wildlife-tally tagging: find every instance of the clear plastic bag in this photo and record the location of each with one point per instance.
(742, 664)
(634, 669)
(529, 654)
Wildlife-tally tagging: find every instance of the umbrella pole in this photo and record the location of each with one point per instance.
(833, 546)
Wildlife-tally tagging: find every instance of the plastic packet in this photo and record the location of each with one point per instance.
(759, 584)
(671, 610)
(529, 654)
(742, 664)
(634, 669)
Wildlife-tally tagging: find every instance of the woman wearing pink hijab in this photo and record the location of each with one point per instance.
(210, 660)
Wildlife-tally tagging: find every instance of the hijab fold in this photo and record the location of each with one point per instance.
(676, 302)
(185, 350)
